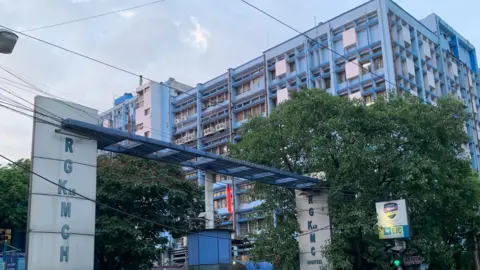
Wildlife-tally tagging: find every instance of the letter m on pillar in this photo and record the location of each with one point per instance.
(312, 238)
(66, 209)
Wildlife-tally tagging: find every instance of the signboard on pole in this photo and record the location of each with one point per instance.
(11, 261)
(392, 219)
(61, 224)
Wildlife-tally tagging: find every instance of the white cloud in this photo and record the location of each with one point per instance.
(198, 36)
(127, 14)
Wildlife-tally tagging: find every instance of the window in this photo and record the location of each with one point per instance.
(239, 117)
(243, 228)
(139, 126)
(243, 88)
(147, 134)
(253, 226)
(366, 68)
(291, 67)
(223, 149)
(147, 111)
(341, 76)
(368, 100)
(220, 178)
(256, 81)
(219, 193)
(192, 110)
(246, 198)
(221, 203)
(273, 75)
(327, 83)
(378, 63)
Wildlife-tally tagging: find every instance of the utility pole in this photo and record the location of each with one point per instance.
(234, 212)
(5, 247)
(475, 252)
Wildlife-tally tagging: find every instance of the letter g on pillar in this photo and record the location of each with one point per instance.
(68, 166)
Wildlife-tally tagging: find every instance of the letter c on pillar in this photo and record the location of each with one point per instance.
(65, 231)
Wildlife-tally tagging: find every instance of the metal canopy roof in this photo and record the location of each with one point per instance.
(108, 139)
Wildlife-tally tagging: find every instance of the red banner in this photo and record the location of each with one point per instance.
(229, 199)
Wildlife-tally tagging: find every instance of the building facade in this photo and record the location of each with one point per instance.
(363, 53)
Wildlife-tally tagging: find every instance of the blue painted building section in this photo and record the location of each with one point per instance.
(122, 99)
(426, 58)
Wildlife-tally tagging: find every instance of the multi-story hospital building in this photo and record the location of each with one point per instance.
(362, 53)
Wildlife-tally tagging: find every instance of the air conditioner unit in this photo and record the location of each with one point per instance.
(221, 126)
(220, 100)
(209, 131)
(178, 121)
(190, 137)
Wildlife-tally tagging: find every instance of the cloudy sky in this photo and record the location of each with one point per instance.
(190, 40)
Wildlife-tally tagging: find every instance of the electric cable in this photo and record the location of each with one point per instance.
(92, 17)
(93, 116)
(71, 191)
(315, 41)
(18, 77)
(183, 91)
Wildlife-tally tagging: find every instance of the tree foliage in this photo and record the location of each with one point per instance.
(155, 192)
(14, 195)
(390, 150)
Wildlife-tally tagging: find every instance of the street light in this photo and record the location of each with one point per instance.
(7, 41)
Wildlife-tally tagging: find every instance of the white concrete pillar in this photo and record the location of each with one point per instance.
(209, 210)
(313, 217)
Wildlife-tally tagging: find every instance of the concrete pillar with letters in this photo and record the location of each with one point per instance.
(312, 215)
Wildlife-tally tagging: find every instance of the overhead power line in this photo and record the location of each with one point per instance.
(315, 41)
(92, 17)
(97, 60)
(124, 212)
(113, 142)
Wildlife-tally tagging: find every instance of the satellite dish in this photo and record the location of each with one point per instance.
(7, 41)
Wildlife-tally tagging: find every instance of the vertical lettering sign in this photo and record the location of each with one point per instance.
(312, 215)
(61, 224)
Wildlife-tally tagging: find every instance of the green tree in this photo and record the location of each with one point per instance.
(400, 149)
(14, 195)
(151, 190)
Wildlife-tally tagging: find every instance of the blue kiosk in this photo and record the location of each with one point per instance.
(210, 249)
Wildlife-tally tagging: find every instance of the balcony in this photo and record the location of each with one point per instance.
(247, 78)
(254, 90)
(214, 105)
